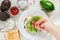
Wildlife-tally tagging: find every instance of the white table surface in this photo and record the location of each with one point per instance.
(14, 3)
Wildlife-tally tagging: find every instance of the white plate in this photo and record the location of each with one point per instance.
(56, 18)
(38, 36)
(57, 6)
(55, 2)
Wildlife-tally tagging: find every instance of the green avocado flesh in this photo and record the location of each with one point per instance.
(47, 5)
(30, 23)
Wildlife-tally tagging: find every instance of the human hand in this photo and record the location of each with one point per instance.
(44, 24)
(47, 25)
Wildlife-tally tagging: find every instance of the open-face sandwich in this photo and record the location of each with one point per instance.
(30, 23)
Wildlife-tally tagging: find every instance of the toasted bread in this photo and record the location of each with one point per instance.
(12, 35)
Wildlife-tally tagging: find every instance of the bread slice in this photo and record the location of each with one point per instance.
(12, 35)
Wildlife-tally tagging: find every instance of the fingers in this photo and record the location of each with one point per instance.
(40, 24)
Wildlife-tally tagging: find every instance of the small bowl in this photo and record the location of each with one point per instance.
(22, 4)
(15, 10)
